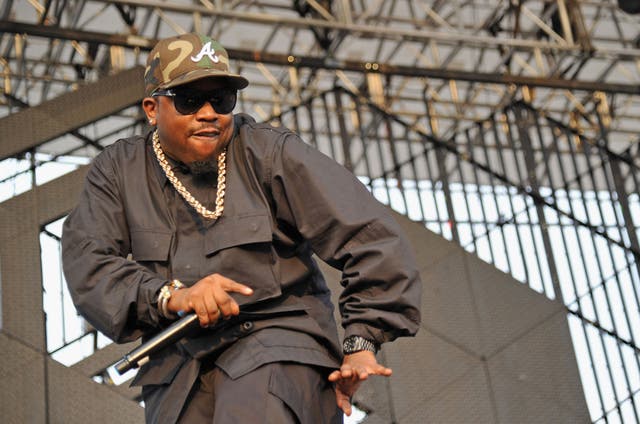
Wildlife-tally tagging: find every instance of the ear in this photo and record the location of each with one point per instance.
(150, 107)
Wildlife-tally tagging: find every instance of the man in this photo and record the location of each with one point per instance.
(214, 213)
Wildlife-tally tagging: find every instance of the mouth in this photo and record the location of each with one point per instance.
(208, 133)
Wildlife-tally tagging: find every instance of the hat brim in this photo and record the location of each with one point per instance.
(234, 81)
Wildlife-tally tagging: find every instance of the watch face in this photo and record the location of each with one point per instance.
(349, 345)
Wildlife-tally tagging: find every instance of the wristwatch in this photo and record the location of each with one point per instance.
(353, 344)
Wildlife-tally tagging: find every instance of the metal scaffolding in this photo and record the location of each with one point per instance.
(467, 58)
(509, 127)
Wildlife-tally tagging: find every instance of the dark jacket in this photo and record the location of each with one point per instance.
(284, 202)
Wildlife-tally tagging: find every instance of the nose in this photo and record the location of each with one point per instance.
(206, 112)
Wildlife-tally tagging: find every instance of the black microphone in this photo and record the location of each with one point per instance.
(139, 355)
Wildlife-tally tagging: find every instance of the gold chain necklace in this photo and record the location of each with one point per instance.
(222, 171)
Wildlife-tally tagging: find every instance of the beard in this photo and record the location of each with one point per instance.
(203, 168)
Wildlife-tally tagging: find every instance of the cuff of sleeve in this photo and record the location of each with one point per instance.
(151, 299)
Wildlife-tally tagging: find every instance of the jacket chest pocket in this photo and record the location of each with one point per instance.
(240, 248)
(150, 248)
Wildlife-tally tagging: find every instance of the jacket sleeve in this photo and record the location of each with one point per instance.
(351, 231)
(114, 294)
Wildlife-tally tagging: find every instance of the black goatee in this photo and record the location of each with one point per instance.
(203, 168)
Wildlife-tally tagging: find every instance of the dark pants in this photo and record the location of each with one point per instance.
(280, 392)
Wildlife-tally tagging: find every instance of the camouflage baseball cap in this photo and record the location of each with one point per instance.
(186, 58)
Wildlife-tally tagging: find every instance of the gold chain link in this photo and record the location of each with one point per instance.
(222, 171)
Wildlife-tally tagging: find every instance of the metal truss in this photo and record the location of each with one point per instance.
(464, 75)
(464, 59)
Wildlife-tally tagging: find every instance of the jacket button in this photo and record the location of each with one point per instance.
(246, 326)
(253, 227)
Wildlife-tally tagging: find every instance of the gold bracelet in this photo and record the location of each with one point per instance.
(165, 296)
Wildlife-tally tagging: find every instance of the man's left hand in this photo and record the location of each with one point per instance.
(355, 368)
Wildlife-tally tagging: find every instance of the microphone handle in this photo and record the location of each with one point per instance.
(174, 332)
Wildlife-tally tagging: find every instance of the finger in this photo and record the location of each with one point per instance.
(213, 310)
(383, 371)
(362, 374)
(343, 402)
(345, 405)
(334, 376)
(214, 316)
(201, 310)
(355, 372)
(227, 305)
(379, 370)
(347, 386)
(230, 285)
(346, 376)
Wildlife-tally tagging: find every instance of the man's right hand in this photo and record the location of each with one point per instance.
(209, 298)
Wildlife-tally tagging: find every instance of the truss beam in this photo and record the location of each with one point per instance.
(36, 125)
(133, 42)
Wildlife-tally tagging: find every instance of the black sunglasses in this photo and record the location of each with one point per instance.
(189, 102)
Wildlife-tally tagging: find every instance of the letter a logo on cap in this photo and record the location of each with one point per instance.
(206, 51)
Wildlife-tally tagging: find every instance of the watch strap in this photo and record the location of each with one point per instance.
(353, 344)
